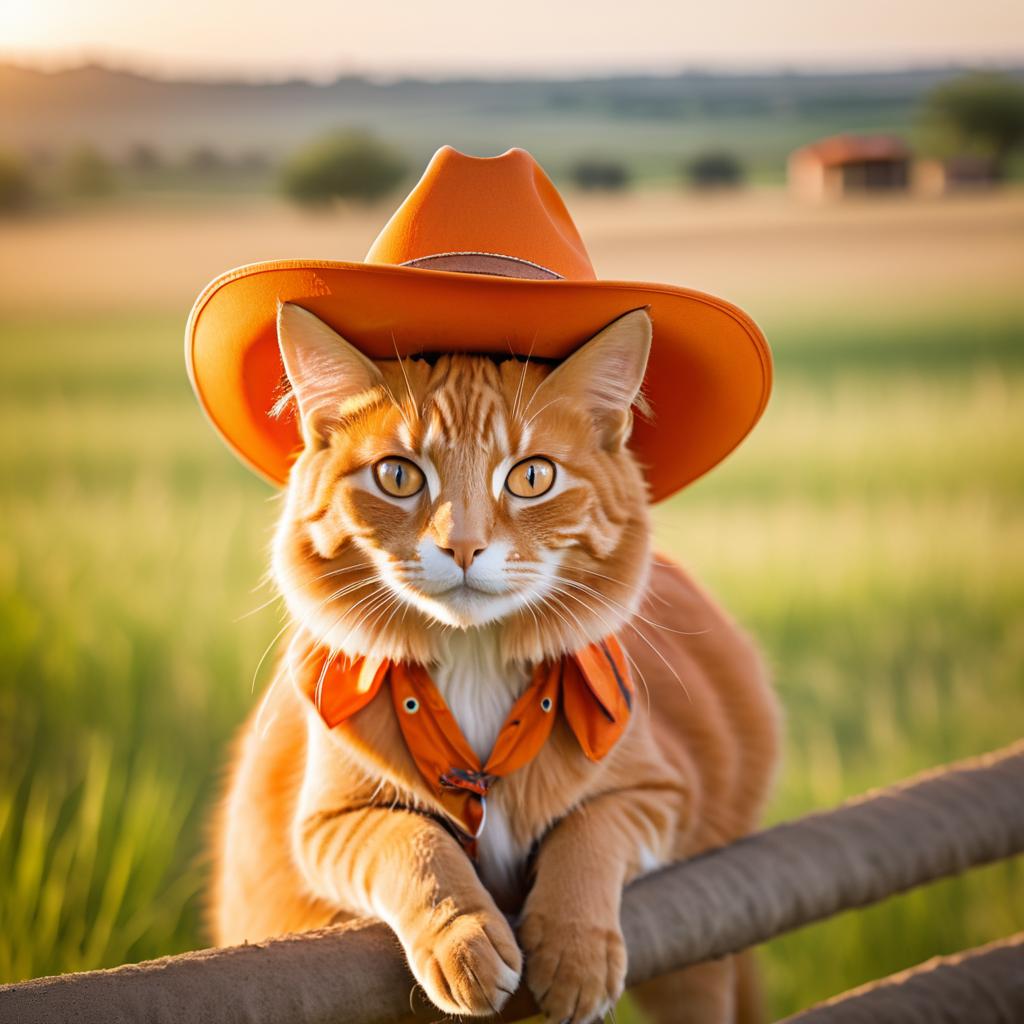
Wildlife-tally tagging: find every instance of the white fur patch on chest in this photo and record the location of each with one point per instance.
(480, 690)
(499, 857)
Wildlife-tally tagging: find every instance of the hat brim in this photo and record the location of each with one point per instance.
(708, 378)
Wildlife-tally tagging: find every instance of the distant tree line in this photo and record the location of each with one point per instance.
(979, 113)
(975, 111)
(83, 172)
(708, 169)
(24, 181)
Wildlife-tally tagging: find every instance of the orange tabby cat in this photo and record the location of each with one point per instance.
(479, 525)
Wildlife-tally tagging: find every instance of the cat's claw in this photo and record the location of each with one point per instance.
(576, 971)
(471, 967)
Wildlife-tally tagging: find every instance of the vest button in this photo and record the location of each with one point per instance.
(411, 705)
(545, 704)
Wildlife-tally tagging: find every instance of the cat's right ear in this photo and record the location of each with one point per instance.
(326, 372)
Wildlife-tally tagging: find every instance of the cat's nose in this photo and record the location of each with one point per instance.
(464, 551)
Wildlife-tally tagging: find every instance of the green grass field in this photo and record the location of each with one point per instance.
(870, 534)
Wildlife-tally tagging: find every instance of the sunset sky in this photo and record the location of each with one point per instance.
(319, 38)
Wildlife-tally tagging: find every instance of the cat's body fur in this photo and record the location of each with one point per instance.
(322, 824)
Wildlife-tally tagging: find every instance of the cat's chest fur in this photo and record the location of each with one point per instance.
(480, 690)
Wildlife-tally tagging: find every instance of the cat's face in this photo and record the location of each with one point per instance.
(462, 492)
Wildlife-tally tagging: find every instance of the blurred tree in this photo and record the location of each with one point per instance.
(346, 165)
(42, 158)
(592, 173)
(88, 173)
(982, 112)
(144, 158)
(204, 160)
(714, 168)
(254, 161)
(16, 189)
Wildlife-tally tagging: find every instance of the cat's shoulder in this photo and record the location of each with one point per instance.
(673, 586)
(679, 618)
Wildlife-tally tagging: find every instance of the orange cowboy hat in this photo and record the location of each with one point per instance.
(482, 256)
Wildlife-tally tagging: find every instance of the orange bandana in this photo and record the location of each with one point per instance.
(592, 685)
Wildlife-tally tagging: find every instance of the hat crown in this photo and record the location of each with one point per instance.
(475, 208)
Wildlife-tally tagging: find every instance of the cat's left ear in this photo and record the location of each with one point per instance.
(324, 370)
(606, 375)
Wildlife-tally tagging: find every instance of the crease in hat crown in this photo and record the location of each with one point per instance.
(457, 218)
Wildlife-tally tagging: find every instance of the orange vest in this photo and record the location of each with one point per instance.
(592, 686)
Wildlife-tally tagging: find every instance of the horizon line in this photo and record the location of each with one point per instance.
(145, 67)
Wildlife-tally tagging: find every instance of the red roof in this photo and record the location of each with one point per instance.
(848, 149)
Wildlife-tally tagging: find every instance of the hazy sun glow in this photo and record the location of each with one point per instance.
(25, 25)
(323, 37)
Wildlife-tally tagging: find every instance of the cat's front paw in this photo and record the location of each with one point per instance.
(470, 965)
(575, 970)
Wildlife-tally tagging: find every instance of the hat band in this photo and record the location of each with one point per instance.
(491, 263)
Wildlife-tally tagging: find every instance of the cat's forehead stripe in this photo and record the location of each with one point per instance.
(467, 407)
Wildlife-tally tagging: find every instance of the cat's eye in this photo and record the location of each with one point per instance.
(398, 477)
(531, 478)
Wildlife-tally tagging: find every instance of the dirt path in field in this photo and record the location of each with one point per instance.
(760, 249)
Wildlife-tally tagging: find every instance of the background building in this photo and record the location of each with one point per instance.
(843, 164)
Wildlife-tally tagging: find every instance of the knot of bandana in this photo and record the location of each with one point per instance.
(465, 778)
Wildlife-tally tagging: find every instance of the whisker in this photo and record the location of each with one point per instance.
(546, 405)
(522, 377)
(398, 604)
(381, 603)
(318, 691)
(610, 629)
(575, 617)
(633, 614)
(263, 657)
(397, 405)
(557, 612)
(408, 386)
(343, 612)
(664, 660)
(528, 604)
(350, 588)
(611, 579)
(261, 729)
(315, 579)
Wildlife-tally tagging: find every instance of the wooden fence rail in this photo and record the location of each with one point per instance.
(985, 984)
(883, 843)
